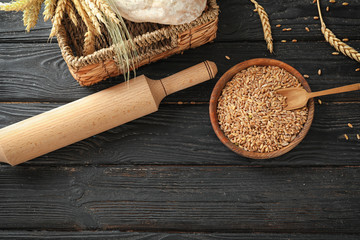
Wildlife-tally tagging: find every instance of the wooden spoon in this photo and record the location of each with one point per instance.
(298, 97)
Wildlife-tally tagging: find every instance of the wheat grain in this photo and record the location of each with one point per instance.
(336, 42)
(266, 25)
(251, 114)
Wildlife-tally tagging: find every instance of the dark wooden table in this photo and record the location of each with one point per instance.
(167, 176)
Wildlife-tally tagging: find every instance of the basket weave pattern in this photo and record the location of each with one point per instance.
(153, 42)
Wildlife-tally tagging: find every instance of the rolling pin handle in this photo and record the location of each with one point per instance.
(189, 77)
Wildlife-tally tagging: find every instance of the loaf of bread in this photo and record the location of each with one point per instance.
(172, 12)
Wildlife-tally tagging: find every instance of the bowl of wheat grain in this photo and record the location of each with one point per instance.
(249, 117)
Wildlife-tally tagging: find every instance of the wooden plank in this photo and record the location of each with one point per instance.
(238, 22)
(37, 72)
(12, 28)
(182, 134)
(108, 235)
(177, 198)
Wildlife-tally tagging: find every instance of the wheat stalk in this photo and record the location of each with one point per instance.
(265, 24)
(125, 49)
(336, 42)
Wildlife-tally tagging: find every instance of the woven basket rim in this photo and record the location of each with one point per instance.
(104, 54)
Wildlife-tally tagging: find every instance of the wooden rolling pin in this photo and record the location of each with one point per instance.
(94, 114)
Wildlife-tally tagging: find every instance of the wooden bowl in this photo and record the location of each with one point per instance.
(227, 77)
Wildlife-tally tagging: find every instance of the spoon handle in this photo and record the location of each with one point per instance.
(348, 88)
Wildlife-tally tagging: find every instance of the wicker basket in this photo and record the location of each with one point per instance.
(153, 42)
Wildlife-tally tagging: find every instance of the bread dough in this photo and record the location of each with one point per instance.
(161, 11)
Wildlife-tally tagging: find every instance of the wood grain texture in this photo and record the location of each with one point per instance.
(12, 28)
(173, 198)
(243, 25)
(110, 235)
(37, 72)
(182, 134)
(167, 176)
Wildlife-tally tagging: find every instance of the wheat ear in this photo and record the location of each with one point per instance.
(49, 10)
(92, 17)
(71, 13)
(33, 14)
(59, 14)
(79, 6)
(89, 41)
(265, 24)
(95, 10)
(19, 5)
(336, 42)
(104, 7)
(26, 15)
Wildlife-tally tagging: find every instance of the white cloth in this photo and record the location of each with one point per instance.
(172, 12)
